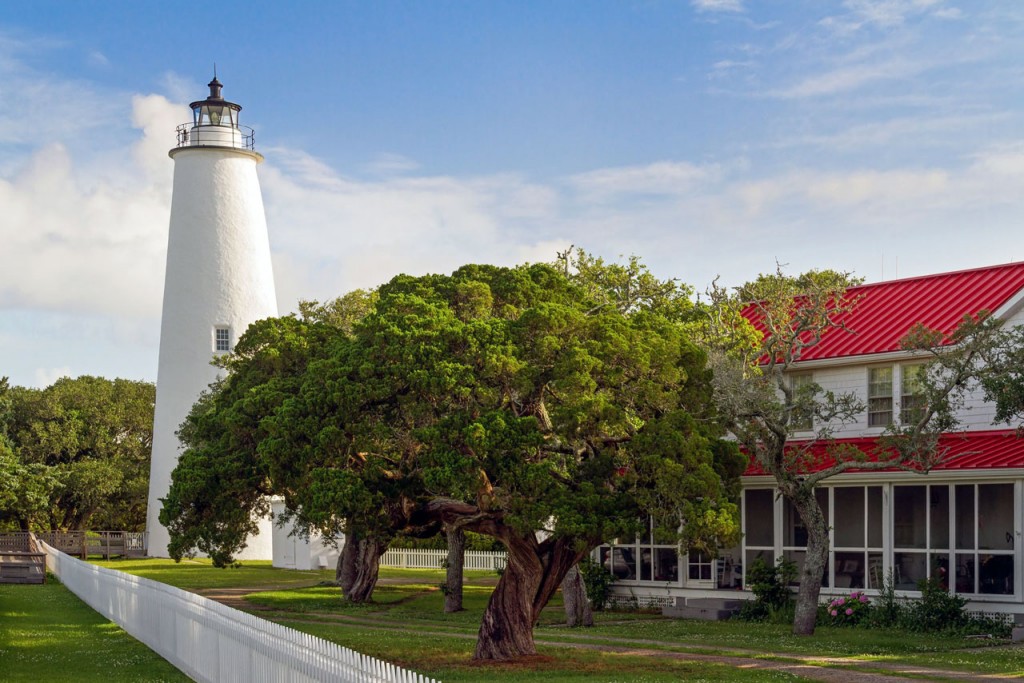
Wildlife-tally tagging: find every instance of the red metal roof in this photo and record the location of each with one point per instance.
(886, 311)
(981, 450)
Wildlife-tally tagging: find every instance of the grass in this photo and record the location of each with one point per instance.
(406, 625)
(201, 574)
(48, 634)
(448, 659)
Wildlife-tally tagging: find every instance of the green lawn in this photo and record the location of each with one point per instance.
(418, 607)
(48, 634)
(405, 625)
(200, 573)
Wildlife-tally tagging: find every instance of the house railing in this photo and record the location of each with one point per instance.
(211, 642)
(21, 560)
(82, 543)
(421, 558)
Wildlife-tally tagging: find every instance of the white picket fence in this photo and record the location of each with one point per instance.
(211, 642)
(414, 558)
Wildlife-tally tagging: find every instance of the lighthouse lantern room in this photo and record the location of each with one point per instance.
(215, 123)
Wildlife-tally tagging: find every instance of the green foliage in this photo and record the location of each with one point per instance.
(439, 542)
(770, 586)
(505, 401)
(597, 581)
(848, 610)
(76, 454)
(936, 610)
(888, 608)
(513, 391)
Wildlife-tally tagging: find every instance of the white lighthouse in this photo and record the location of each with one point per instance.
(218, 281)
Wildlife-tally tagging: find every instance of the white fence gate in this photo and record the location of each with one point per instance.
(416, 558)
(212, 642)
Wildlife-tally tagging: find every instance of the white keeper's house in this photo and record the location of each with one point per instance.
(961, 523)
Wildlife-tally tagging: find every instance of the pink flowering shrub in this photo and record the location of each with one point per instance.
(848, 610)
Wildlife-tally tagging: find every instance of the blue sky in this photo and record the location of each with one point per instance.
(709, 137)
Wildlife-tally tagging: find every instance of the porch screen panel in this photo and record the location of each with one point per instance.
(760, 518)
(876, 522)
(938, 525)
(875, 517)
(794, 534)
(995, 517)
(965, 517)
(666, 564)
(849, 509)
(995, 536)
(909, 530)
(910, 534)
(759, 528)
(851, 562)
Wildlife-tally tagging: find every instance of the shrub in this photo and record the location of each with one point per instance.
(597, 581)
(888, 609)
(770, 586)
(848, 610)
(936, 610)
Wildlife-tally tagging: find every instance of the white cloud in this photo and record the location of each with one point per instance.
(886, 14)
(949, 13)
(718, 5)
(98, 59)
(389, 163)
(44, 377)
(846, 78)
(659, 178)
(78, 239)
(875, 134)
(331, 234)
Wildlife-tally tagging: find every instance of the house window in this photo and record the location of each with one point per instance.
(759, 527)
(980, 519)
(857, 536)
(911, 399)
(984, 539)
(654, 556)
(699, 566)
(221, 339)
(802, 417)
(794, 533)
(879, 396)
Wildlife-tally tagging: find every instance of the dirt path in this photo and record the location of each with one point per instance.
(826, 669)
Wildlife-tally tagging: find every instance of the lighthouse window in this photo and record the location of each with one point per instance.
(221, 339)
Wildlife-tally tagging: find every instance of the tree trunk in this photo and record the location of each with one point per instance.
(359, 565)
(577, 607)
(532, 575)
(345, 572)
(815, 561)
(453, 577)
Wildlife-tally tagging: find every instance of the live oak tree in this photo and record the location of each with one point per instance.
(79, 454)
(762, 408)
(512, 403)
(25, 489)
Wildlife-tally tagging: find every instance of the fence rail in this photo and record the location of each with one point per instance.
(418, 558)
(211, 642)
(82, 543)
(21, 560)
